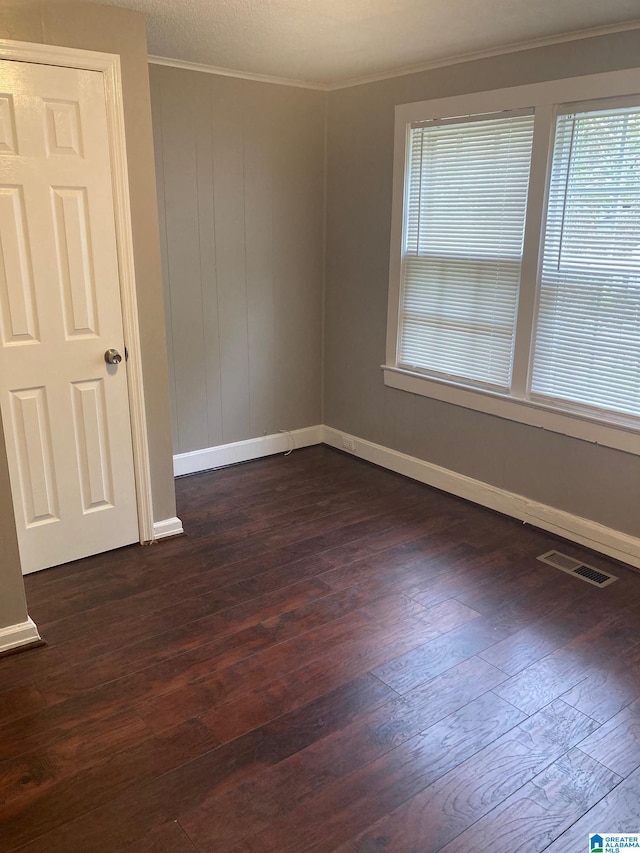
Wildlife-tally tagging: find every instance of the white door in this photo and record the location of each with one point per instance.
(65, 411)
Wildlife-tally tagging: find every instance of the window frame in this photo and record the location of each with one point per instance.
(546, 99)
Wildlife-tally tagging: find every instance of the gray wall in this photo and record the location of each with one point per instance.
(585, 479)
(240, 174)
(13, 607)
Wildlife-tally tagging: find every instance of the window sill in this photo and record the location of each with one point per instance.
(527, 412)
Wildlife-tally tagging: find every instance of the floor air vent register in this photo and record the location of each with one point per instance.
(574, 567)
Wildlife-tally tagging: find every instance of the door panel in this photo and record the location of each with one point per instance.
(7, 125)
(73, 243)
(63, 134)
(36, 472)
(65, 411)
(92, 444)
(19, 324)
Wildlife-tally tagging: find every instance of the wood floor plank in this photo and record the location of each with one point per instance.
(357, 632)
(145, 613)
(167, 838)
(606, 692)
(570, 665)
(477, 637)
(29, 775)
(29, 818)
(530, 819)
(361, 771)
(467, 793)
(228, 663)
(20, 702)
(618, 811)
(429, 556)
(616, 744)
(132, 815)
(434, 657)
(545, 636)
(26, 668)
(191, 633)
(258, 705)
(38, 730)
(494, 592)
(410, 714)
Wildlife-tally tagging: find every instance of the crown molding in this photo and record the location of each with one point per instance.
(241, 75)
(514, 47)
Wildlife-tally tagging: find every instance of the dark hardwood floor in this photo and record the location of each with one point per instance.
(332, 658)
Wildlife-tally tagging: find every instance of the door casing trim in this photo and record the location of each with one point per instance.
(109, 66)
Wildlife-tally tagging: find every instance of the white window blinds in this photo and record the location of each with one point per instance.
(466, 198)
(587, 338)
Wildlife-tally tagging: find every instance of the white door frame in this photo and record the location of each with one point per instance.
(109, 66)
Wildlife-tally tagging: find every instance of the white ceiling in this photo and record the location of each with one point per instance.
(330, 41)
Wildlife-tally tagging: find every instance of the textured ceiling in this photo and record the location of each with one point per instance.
(329, 41)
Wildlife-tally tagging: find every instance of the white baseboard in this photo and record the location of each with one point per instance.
(243, 451)
(167, 527)
(22, 634)
(606, 540)
(614, 543)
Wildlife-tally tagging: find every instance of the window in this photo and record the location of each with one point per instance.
(587, 331)
(464, 229)
(515, 263)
